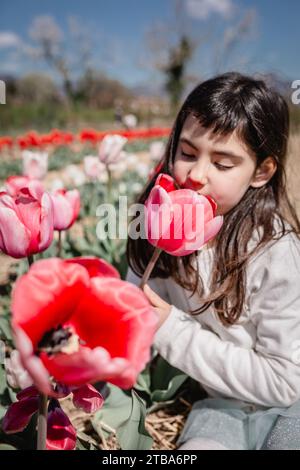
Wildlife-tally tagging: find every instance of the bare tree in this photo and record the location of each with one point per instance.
(70, 54)
(232, 38)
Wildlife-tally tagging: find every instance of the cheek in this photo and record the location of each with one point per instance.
(230, 191)
(180, 171)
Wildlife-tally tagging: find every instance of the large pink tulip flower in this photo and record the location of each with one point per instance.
(26, 222)
(77, 322)
(179, 221)
(66, 208)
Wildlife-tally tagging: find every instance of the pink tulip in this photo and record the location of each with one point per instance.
(26, 222)
(93, 168)
(14, 184)
(66, 206)
(179, 221)
(35, 164)
(79, 323)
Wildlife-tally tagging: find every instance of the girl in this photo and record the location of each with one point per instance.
(230, 313)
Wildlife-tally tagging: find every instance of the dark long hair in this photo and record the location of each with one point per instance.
(260, 115)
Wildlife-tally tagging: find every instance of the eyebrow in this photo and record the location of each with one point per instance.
(184, 140)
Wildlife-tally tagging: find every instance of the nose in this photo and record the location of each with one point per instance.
(198, 175)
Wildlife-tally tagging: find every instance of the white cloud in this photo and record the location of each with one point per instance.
(202, 9)
(9, 39)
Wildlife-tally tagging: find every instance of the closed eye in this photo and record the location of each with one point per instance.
(218, 165)
(187, 155)
(223, 167)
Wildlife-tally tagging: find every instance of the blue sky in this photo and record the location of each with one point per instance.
(118, 29)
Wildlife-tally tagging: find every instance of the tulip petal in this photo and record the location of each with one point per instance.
(46, 222)
(166, 182)
(212, 227)
(15, 237)
(47, 295)
(29, 392)
(87, 398)
(90, 366)
(19, 414)
(96, 267)
(159, 215)
(120, 318)
(32, 363)
(73, 197)
(29, 212)
(61, 434)
(63, 213)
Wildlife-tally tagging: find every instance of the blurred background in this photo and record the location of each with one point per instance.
(72, 63)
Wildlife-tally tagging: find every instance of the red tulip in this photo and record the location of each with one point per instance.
(79, 323)
(179, 221)
(60, 433)
(26, 222)
(66, 208)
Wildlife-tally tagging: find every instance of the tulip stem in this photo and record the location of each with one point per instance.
(42, 422)
(30, 260)
(109, 185)
(150, 266)
(59, 244)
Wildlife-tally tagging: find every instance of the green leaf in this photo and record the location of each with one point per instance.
(5, 330)
(143, 381)
(7, 447)
(114, 412)
(165, 380)
(3, 384)
(132, 434)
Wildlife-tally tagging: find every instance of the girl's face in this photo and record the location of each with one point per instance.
(216, 166)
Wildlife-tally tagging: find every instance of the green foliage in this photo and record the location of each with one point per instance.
(125, 411)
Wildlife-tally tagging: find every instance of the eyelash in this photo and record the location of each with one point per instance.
(218, 165)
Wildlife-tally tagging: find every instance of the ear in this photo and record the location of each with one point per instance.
(264, 172)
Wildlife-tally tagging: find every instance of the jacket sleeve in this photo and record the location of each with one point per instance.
(267, 375)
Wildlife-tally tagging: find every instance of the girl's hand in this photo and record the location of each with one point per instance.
(161, 307)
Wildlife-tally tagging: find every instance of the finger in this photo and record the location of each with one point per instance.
(154, 298)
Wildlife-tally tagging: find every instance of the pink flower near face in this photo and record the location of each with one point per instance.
(13, 184)
(26, 222)
(179, 221)
(110, 149)
(79, 323)
(35, 164)
(66, 206)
